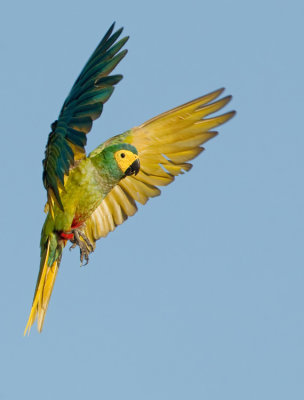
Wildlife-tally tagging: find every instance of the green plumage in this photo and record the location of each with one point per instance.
(85, 187)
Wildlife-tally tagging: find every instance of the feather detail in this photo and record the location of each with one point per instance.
(165, 144)
(83, 105)
(45, 283)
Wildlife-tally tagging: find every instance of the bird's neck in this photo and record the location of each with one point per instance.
(107, 170)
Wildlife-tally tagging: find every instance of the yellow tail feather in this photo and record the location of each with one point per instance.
(45, 284)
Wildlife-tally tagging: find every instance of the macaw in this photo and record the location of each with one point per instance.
(89, 195)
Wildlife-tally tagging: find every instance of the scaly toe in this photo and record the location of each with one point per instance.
(84, 244)
(73, 246)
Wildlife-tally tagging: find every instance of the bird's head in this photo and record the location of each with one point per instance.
(127, 160)
(121, 160)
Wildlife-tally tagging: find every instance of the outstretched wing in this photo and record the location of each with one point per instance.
(83, 105)
(165, 144)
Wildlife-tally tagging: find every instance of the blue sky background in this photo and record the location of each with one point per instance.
(200, 295)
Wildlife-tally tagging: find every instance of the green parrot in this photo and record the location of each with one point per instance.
(89, 195)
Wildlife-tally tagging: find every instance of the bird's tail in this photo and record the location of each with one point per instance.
(51, 251)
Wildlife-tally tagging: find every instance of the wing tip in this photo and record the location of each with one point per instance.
(110, 30)
(231, 114)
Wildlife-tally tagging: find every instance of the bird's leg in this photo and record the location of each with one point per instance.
(84, 244)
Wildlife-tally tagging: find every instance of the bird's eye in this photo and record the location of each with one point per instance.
(122, 155)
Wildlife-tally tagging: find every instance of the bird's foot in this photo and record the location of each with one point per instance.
(85, 246)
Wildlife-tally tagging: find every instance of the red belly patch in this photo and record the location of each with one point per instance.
(70, 235)
(76, 224)
(67, 236)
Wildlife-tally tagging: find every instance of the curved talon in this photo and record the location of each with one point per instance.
(85, 246)
(73, 245)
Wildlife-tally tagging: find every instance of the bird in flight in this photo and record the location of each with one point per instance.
(89, 195)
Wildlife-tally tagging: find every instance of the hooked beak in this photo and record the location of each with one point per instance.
(134, 168)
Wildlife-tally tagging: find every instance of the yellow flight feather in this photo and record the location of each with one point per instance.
(183, 110)
(164, 143)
